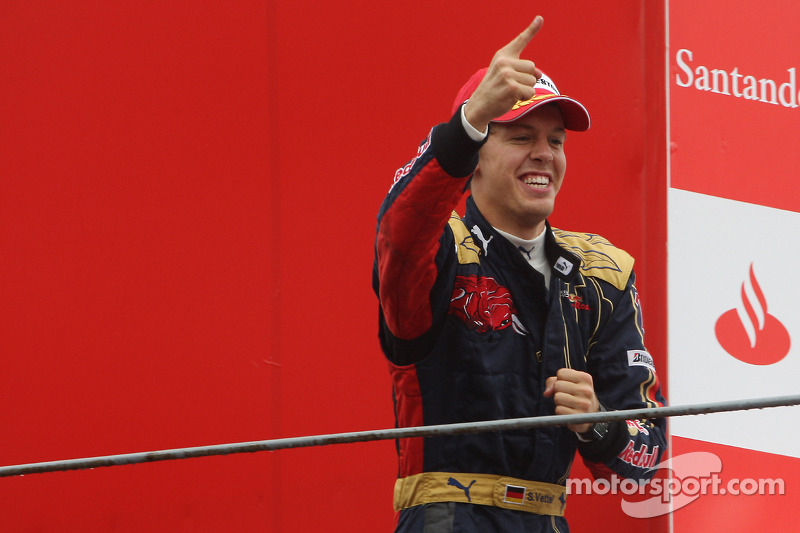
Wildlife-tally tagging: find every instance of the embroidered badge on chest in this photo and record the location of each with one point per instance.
(575, 301)
(484, 305)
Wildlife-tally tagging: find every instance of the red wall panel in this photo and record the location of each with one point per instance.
(187, 214)
(733, 215)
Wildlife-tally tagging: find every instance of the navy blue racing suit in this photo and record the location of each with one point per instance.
(471, 333)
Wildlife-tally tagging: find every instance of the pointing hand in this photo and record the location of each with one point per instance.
(507, 80)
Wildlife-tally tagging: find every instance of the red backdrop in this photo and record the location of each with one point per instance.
(188, 194)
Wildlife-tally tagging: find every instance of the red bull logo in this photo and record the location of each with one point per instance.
(484, 305)
(635, 427)
(577, 302)
(639, 457)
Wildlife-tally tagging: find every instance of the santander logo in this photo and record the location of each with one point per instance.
(757, 338)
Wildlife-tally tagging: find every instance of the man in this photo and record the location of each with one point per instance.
(497, 315)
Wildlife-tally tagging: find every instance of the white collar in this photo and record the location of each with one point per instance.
(532, 251)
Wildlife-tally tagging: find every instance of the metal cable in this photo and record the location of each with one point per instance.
(396, 433)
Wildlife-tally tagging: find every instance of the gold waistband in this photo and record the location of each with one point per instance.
(480, 489)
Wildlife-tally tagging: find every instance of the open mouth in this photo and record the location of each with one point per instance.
(536, 181)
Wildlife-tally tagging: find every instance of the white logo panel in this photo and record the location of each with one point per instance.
(734, 322)
(640, 358)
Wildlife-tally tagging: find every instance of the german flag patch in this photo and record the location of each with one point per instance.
(515, 494)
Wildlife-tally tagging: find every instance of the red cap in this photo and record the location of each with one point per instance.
(576, 117)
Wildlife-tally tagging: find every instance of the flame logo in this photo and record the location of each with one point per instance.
(757, 338)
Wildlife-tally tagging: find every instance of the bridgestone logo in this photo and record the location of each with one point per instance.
(640, 358)
(547, 83)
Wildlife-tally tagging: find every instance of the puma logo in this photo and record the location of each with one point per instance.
(455, 483)
(527, 252)
(479, 234)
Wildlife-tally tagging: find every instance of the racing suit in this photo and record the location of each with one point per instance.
(471, 333)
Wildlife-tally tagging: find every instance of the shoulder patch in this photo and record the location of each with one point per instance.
(599, 258)
(467, 250)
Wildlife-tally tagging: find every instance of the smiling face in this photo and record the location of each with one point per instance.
(520, 171)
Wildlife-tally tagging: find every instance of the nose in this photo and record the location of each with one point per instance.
(541, 150)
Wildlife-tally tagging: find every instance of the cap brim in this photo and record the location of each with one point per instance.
(576, 117)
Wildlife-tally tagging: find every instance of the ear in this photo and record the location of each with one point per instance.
(477, 171)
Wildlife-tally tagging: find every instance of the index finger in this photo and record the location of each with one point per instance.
(519, 43)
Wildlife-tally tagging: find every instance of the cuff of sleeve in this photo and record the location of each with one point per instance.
(612, 445)
(473, 133)
(455, 150)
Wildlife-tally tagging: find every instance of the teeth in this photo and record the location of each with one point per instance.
(536, 180)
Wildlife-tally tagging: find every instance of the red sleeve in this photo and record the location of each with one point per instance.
(411, 227)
